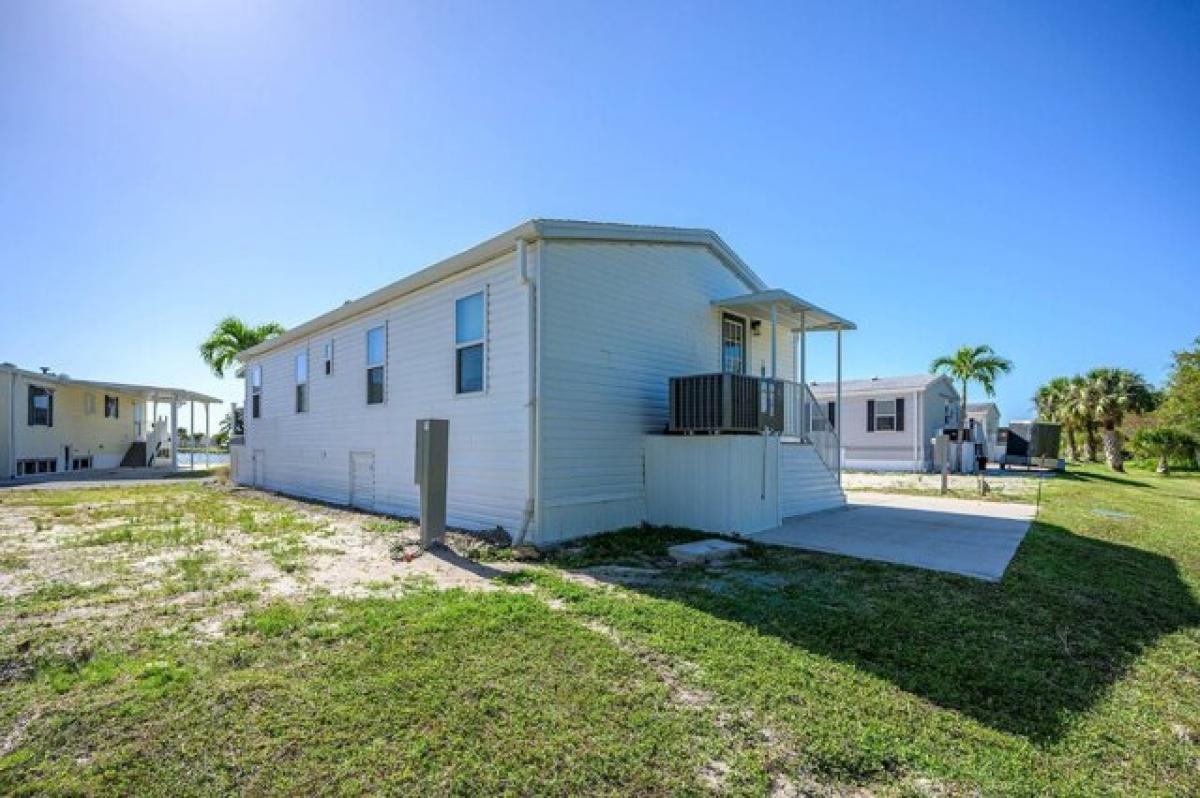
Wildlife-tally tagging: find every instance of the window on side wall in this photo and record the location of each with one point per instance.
(112, 406)
(41, 407)
(256, 392)
(89, 404)
(376, 364)
(470, 335)
(302, 382)
(329, 358)
(885, 415)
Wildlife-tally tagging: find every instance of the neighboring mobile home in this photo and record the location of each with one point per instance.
(987, 416)
(886, 423)
(549, 349)
(51, 423)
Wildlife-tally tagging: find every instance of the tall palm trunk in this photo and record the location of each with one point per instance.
(962, 427)
(1072, 447)
(1112, 448)
(1091, 447)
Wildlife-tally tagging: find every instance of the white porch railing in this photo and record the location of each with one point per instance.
(159, 435)
(805, 418)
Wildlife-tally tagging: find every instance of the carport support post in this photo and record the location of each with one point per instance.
(207, 440)
(174, 433)
(192, 432)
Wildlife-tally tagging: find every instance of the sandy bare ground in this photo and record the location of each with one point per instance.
(201, 553)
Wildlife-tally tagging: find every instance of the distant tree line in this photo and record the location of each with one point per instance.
(1105, 408)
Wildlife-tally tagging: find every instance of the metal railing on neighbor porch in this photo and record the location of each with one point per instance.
(805, 418)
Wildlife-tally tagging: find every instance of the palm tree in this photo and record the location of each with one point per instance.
(1165, 443)
(1115, 393)
(971, 364)
(1053, 403)
(232, 336)
(1081, 409)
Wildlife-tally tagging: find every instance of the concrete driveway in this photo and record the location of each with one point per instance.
(972, 538)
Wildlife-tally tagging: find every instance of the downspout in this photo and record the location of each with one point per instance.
(531, 409)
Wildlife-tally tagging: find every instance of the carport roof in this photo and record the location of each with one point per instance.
(152, 393)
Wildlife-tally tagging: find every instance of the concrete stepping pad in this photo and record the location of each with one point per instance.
(702, 551)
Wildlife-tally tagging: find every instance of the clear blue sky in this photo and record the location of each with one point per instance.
(164, 164)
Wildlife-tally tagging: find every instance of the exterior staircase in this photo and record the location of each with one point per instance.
(806, 484)
(136, 456)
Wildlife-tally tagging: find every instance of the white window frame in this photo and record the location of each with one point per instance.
(116, 406)
(481, 341)
(879, 415)
(327, 358)
(369, 365)
(256, 391)
(89, 404)
(301, 384)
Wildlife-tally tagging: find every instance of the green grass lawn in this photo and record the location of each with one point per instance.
(1077, 674)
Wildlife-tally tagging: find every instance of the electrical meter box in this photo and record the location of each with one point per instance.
(432, 459)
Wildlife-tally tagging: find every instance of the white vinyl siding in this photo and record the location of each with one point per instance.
(309, 454)
(618, 321)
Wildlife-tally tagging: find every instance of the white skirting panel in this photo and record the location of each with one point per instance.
(714, 483)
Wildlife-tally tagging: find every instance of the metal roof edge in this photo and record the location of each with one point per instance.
(532, 230)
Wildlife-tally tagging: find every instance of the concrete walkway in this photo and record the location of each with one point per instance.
(102, 478)
(972, 538)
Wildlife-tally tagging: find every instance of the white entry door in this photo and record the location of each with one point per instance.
(362, 480)
(139, 420)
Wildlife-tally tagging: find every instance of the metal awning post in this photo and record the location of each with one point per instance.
(803, 375)
(207, 440)
(837, 407)
(192, 432)
(174, 433)
(774, 330)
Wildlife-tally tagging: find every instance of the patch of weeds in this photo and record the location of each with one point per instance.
(287, 553)
(277, 620)
(158, 676)
(199, 571)
(88, 671)
(386, 527)
(516, 578)
(13, 562)
(54, 594)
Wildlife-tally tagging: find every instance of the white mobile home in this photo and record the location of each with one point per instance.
(51, 423)
(549, 349)
(986, 415)
(886, 423)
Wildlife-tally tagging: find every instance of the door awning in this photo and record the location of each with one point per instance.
(790, 310)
